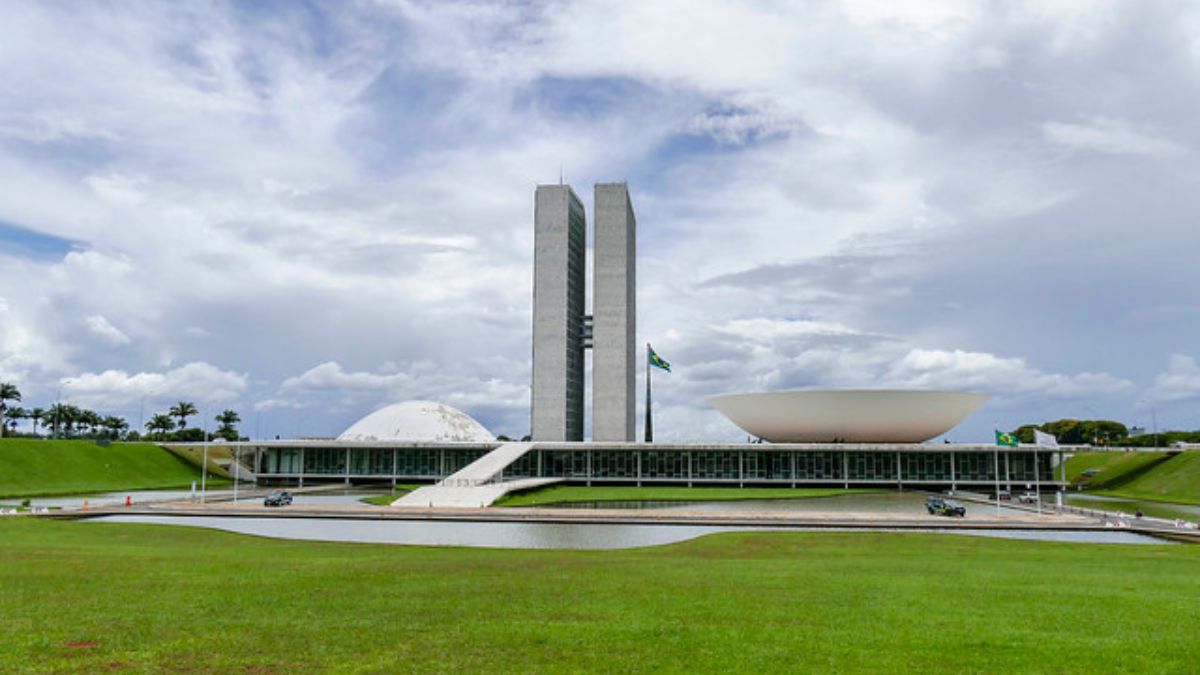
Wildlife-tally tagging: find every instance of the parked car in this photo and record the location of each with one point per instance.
(1004, 495)
(1028, 498)
(940, 506)
(278, 498)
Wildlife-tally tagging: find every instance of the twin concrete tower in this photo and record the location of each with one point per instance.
(561, 329)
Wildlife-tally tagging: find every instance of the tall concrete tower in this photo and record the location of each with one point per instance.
(560, 240)
(614, 312)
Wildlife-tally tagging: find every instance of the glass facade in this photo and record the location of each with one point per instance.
(678, 464)
(576, 264)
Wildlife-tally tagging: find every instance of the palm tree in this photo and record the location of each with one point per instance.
(115, 426)
(8, 392)
(68, 417)
(36, 415)
(183, 410)
(13, 415)
(160, 423)
(90, 419)
(62, 416)
(227, 419)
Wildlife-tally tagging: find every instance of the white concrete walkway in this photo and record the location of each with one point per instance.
(475, 485)
(476, 496)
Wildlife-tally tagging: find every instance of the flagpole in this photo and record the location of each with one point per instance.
(649, 429)
(996, 470)
(1037, 481)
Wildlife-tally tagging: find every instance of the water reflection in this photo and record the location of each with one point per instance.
(544, 535)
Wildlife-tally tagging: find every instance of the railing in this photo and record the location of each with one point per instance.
(1122, 519)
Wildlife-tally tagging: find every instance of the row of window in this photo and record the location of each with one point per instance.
(667, 464)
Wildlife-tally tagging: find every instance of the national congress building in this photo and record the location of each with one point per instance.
(842, 438)
(561, 328)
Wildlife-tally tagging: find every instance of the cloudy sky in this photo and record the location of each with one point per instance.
(304, 211)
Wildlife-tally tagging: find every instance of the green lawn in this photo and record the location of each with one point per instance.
(560, 494)
(195, 455)
(1153, 476)
(88, 597)
(386, 500)
(1113, 466)
(31, 467)
(1174, 480)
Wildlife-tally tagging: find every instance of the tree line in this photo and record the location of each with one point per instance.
(63, 420)
(1103, 432)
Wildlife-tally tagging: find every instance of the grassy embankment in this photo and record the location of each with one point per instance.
(386, 500)
(1152, 476)
(562, 494)
(87, 597)
(218, 456)
(32, 468)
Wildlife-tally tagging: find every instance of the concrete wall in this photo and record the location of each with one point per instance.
(614, 311)
(560, 232)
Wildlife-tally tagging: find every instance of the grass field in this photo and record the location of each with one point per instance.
(1174, 480)
(218, 456)
(385, 500)
(1113, 467)
(561, 494)
(1153, 476)
(88, 597)
(31, 467)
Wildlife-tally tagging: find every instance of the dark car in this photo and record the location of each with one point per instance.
(278, 498)
(938, 506)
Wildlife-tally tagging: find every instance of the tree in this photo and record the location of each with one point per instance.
(1077, 432)
(183, 410)
(8, 392)
(15, 414)
(36, 415)
(63, 418)
(228, 419)
(90, 419)
(115, 425)
(160, 423)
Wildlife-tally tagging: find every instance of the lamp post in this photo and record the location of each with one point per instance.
(204, 466)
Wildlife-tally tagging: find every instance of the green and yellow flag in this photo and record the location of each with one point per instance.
(1006, 440)
(658, 361)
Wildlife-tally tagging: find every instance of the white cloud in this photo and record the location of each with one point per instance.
(196, 381)
(1110, 137)
(330, 376)
(1180, 382)
(957, 369)
(353, 188)
(101, 327)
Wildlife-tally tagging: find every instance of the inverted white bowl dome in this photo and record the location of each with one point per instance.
(852, 416)
(418, 421)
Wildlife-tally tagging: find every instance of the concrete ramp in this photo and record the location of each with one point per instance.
(475, 484)
(476, 496)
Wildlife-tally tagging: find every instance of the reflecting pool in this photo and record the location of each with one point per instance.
(542, 535)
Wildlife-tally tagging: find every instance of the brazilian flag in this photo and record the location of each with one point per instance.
(658, 361)
(1006, 440)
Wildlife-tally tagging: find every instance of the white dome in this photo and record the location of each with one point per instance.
(418, 421)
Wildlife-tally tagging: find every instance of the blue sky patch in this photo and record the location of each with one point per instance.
(582, 96)
(26, 243)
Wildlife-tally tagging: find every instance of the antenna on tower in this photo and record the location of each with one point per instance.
(560, 174)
